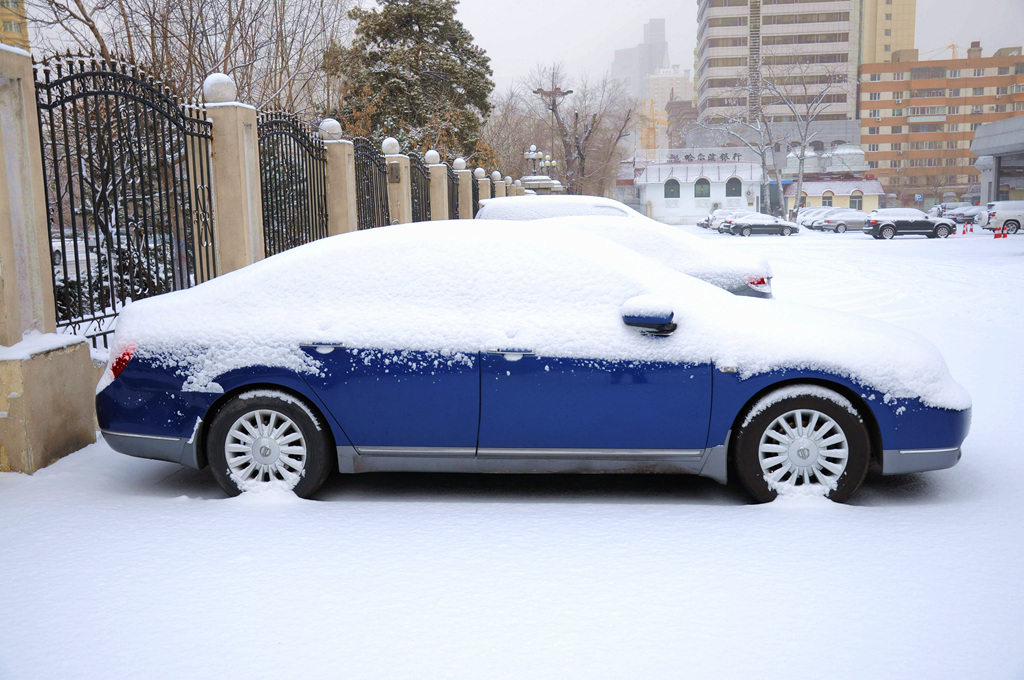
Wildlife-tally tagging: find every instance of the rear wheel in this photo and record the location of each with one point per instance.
(745, 231)
(840, 228)
(1011, 227)
(802, 439)
(887, 232)
(265, 438)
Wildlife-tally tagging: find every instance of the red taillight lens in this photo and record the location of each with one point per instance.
(760, 284)
(118, 364)
(873, 222)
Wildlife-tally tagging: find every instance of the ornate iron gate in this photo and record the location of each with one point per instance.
(453, 193)
(371, 185)
(293, 178)
(419, 179)
(128, 175)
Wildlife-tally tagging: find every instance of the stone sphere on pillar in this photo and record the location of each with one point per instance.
(459, 164)
(390, 146)
(508, 180)
(219, 88)
(518, 182)
(432, 157)
(479, 173)
(495, 176)
(330, 129)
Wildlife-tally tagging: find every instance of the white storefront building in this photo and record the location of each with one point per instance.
(684, 193)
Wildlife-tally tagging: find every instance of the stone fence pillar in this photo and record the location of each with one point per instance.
(483, 182)
(342, 214)
(465, 189)
(498, 184)
(399, 182)
(237, 199)
(439, 207)
(47, 381)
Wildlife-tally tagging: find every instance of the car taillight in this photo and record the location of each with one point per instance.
(872, 221)
(118, 364)
(762, 284)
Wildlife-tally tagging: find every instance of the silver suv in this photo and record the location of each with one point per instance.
(1008, 214)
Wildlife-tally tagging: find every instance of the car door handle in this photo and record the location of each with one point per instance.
(512, 354)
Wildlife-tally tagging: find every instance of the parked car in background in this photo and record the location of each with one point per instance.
(964, 215)
(817, 222)
(758, 223)
(717, 217)
(887, 223)
(942, 208)
(1005, 214)
(806, 215)
(736, 272)
(520, 348)
(845, 220)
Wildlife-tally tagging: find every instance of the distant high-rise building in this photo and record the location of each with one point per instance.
(13, 25)
(888, 28)
(742, 41)
(632, 66)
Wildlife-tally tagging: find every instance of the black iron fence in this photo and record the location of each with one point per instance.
(371, 185)
(128, 189)
(419, 180)
(453, 193)
(293, 181)
(476, 195)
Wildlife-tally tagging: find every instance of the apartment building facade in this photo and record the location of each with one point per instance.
(918, 118)
(13, 26)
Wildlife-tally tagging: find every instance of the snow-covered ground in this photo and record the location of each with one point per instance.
(115, 567)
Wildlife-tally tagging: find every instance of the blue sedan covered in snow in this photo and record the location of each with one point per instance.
(516, 347)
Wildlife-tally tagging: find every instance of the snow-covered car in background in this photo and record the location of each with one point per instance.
(1005, 214)
(816, 222)
(890, 222)
(805, 216)
(444, 346)
(844, 220)
(757, 223)
(738, 273)
(964, 215)
(716, 217)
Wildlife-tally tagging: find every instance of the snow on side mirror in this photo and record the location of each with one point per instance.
(650, 314)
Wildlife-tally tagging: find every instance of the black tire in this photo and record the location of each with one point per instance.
(840, 228)
(786, 231)
(745, 231)
(942, 231)
(795, 406)
(1011, 226)
(887, 232)
(304, 466)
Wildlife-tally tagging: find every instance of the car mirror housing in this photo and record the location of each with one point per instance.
(650, 314)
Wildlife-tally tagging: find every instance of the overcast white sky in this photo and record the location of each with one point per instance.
(584, 34)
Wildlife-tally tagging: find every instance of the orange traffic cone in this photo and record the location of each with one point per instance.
(972, 227)
(1001, 232)
(964, 232)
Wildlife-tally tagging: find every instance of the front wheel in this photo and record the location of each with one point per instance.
(803, 438)
(942, 231)
(786, 231)
(887, 232)
(265, 438)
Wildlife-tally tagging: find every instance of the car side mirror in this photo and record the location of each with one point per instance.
(651, 314)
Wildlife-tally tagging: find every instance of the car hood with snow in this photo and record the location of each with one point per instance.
(440, 287)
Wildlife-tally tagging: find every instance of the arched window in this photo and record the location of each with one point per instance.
(702, 188)
(857, 200)
(733, 188)
(672, 188)
(826, 199)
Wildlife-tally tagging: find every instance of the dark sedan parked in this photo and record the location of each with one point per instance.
(890, 222)
(757, 223)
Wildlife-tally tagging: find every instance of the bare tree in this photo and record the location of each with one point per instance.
(274, 50)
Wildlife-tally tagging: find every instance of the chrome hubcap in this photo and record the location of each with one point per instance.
(265, 446)
(803, 447)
